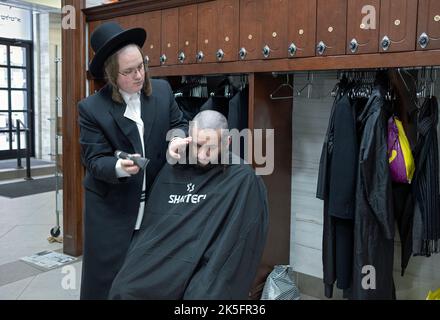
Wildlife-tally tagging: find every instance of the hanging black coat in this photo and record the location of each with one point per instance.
(374, 220)
(202, 236)
(111, 205)
(336, 186)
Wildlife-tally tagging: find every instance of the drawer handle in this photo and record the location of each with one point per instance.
(200, 56)
(220, 54)
(423, 40)
(242, 53)
(386, 43)
(354, 45)
(292, 49)
(181, 57)
(321, 47)
(163, 59)
(147, 59)
(266, 51)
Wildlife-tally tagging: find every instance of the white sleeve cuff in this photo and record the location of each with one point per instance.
(120, 173)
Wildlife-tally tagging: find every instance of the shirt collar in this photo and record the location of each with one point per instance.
(129, 96)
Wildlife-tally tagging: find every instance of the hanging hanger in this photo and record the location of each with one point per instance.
(416, 103)
(286, 84)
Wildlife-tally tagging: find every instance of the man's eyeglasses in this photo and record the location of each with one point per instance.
(132, 72)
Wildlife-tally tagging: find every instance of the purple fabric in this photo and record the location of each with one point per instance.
(397, 165)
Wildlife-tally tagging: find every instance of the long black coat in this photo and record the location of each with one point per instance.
(111, 204)
(374, 219)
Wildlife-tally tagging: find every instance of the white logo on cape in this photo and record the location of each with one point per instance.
(187, 198)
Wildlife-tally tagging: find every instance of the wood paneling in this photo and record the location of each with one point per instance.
(274, 34)
(151, 22)
(363, 18)
(429, 23)
(207, 31)
(125, 8)
(362, 61)
(398, 20)
(331, 27)
(228, 29)
(73, 90)
(274, 114)
(170, 35)
(251, 13)
(187, 34)
(302, 27)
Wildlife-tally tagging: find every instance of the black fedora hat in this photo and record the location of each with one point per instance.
(108, 38)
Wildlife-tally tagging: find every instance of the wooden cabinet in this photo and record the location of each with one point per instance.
(207, 32)
(363, 18)
(274, 32)
(228, 30)
(170, 36)
(301, 28)
(428, 29)
(250, 29)
(187, 34)
(152, 23)
(398, 20)
(331, 27)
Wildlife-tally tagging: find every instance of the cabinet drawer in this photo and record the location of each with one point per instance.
(187, 34)
(250, 29)
(428, 29)
(170, 36)
(363, 26)
(301, 21)
(398, 20)
(331, 27)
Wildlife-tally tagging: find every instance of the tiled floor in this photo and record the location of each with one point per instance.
(25, 225)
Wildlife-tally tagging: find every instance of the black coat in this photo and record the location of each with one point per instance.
(374, 219)
(111, 204)
(202, 236)
(336, 186)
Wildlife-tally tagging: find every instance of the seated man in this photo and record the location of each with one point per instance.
(204, 228)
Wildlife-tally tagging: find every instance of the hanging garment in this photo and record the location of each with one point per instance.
(374, 219)
(190, 106)
(336, 186)
(202, 236)
(219, 104)
(426, 230)
(238, 110)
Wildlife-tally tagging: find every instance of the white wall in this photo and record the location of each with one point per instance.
(310, 121)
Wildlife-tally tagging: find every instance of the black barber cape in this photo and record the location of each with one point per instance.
(202, 236)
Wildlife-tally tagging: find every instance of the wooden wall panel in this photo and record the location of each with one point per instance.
(73, 90)
(274, 114)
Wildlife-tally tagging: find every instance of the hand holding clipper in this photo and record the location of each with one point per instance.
(139, 161)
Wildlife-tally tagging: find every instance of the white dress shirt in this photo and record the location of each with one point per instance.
(133, 112)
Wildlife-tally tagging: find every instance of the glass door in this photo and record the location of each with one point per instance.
(15, 96)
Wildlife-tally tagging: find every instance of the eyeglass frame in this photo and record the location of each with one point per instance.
(137, 69)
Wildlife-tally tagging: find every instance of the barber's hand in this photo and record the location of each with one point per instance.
(129, 166)
(177, 146)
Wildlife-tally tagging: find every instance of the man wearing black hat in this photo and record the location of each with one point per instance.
(132, 114)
